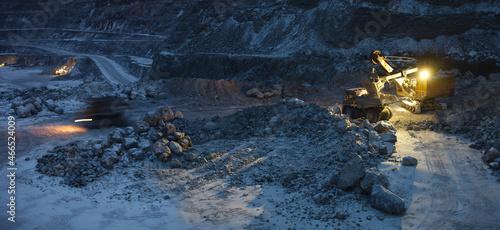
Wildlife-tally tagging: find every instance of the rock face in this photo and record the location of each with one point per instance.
(386, 200)
(351, 173)
(373, 177)
(409, 161)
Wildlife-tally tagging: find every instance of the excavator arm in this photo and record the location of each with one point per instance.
(376, 83)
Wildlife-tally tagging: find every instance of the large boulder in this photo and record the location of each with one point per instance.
(384, 127)
(372, 177)
(108, 162)
(131, 143)
(491, 154)
(137, 154)
(455, 121)
(409, 161)
(175, 147)
(186, 142)
(169, 128)
(386, 200)
(389, 137)
(210, 126)
(116, 136)
(141, 126)
(160, 115)
(161, 146)
(342, 125)
(163, 157)
(352, 172)
(23, 111)
(144, 144)
(366, 125)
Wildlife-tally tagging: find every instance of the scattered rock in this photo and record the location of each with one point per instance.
(23, 111)
(161, 146)
(389, 137)
(137, 154)
(253, 92)
(163, 115)
(116, 136)
(175, 163)
(169, 128)
(130, 143)
(190, 156)
(455, 121)
(211, 126)
(108, 162)
(386, 200)
(186, 142)
(141, 126)
(351, 173)
(384, 127)
(175, 147)
(491, 154)
(409, 161)
(163, 157)
(372, 177)
(178, 135)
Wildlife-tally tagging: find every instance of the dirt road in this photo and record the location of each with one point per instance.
(110, 69)
(450, 188)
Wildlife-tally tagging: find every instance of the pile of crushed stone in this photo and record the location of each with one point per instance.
(305, 148)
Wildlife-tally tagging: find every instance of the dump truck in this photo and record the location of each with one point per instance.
(359, 103)
(418, 87)
(104, 111)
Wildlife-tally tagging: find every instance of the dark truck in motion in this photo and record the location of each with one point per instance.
(105, 111)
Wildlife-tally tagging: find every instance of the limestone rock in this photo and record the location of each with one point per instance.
(409, 161)
(491, 154)
(384, 127)
(372, 177)
(141, 126)
(351, 173)
(175, 147)
(386, 200)
(161, 146)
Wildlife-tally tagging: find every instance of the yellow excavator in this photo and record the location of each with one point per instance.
(419, 89)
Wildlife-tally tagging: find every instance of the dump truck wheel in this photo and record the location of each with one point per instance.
(384, 115)
(372, 115)
(348, 111)
(390, 113)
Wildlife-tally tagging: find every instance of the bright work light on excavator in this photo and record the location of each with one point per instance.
(424, 74)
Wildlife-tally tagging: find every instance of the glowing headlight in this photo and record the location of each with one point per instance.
(83, 120)
(424, 74)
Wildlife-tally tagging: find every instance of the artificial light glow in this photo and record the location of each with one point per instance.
(424, 74)
(2, 65)
(83, 120)
(61, 71)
